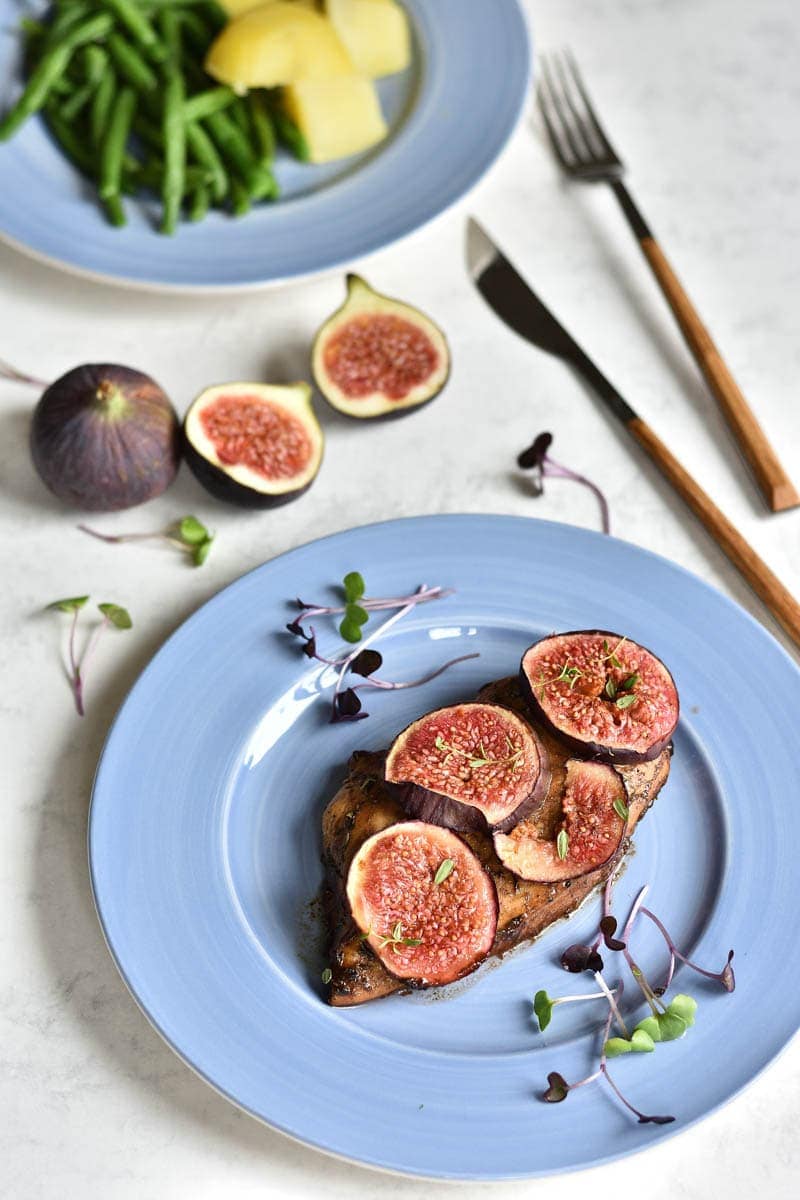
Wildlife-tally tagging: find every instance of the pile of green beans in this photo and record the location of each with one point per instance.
(122, 88)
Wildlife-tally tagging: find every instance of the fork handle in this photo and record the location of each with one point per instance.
(775, 485)
(764, 582)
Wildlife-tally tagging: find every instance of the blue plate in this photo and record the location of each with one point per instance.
(450, 115)
(205, 843)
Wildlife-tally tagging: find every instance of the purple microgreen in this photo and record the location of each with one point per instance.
(347, 707)
(726, 976)
(9, 372)
(188, 534)
(366, 663)
(444, 870)
(577, 958)
(537, 459)
(562, 844)
(388, 685)
(421, 596)
(643, 1118)
(608, 927)
(557, 1088)
(112, 614)
(612, 1002)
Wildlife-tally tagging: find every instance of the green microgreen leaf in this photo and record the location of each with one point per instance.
(562, 844)
(616, 1046)
(445, 869)
(683, 1006)
(353, 584)
(543, 1009)
(354, 617)
(71, 605)
(620, 808)
(192, 531)
(327, 975)
(200, 551)
(671, 1026)
(625, 701)
(119, 617)
(641, 1041)
(611, 688)
(649, 1025)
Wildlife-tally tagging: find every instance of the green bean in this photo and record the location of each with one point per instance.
(95, 63)
(240, 198)
(200, 203)
(78, 100)
(238, 114)
(73, 146)
(102, 101)
(50, 67)
(114, 142)
(149, 131)
(114, 209)
(131, 16)
(151, 175)
(174, 127)
(65, 17)
(263, 129)
(289, 134)
(205, 153)
(212, 100)
(236, 151)
(198, 34)
(130, 64)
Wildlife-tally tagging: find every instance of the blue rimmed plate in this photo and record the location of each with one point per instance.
(205, 842)
(450, 115)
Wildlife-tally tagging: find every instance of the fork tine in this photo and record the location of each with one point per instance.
(591, 113)
(557, 126)
(583, 127)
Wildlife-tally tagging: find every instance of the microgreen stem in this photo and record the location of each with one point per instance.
(637, 904)
(609, 994)
(557, 471)
(421, 596)
(9, 372)
(408, 683)
(536, 457)
(674, 953)
(75, 677)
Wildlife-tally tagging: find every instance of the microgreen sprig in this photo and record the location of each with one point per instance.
(543, 1004)
(187, 533)
(112, 615)
(481, 758)
(395, 938)
(537, 459)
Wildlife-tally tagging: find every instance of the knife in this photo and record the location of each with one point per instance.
(517, 304)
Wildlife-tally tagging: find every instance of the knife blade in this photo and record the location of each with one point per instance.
(518, 306)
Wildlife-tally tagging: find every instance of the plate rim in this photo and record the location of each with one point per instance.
(669, 1132)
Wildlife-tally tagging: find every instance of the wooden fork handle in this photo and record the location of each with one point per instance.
(764, 582)
(775, 485)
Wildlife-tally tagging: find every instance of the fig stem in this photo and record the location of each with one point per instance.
(9, 372)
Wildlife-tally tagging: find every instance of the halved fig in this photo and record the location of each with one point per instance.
(378, 357)
(468, 767)
(254, 444)
(590, 833)
(426, 906)
(604, 695)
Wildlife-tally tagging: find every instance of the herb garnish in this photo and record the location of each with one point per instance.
(620, 808)
(187, 533)
(327, 975)
(537, 459)
(562, 844)
(346, 704)
(395, 938)
(480, 759)
(445, 869)
(666, 1022)
(112, 614)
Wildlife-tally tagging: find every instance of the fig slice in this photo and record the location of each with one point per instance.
(254, 444)
(590, 834)
(603, 695)
(426, 906)
(468, 767)
(378, 357)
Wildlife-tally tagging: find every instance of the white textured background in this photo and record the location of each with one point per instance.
(703, 99)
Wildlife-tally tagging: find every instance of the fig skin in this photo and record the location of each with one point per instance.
(362, 300)
(429, 805)
(217, 478)
(584, 746)
(105, 437)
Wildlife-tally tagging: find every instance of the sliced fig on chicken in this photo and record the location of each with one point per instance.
(594, 807)
(423, 902)
(603, 695)
(468, 767)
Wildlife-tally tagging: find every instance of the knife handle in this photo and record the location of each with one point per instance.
(764, 582)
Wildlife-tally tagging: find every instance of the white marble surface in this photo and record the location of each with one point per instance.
(703, 97)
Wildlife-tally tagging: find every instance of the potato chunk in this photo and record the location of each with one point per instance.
(374, 32)
(275, 44)
(337, 116)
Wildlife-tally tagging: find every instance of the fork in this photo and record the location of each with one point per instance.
(581, 146)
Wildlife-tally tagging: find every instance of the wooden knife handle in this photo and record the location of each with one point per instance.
(764, 582)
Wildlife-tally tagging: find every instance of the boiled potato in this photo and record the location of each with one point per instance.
(337, 116)
(375, 34)
(235, 8)
(274, 44)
